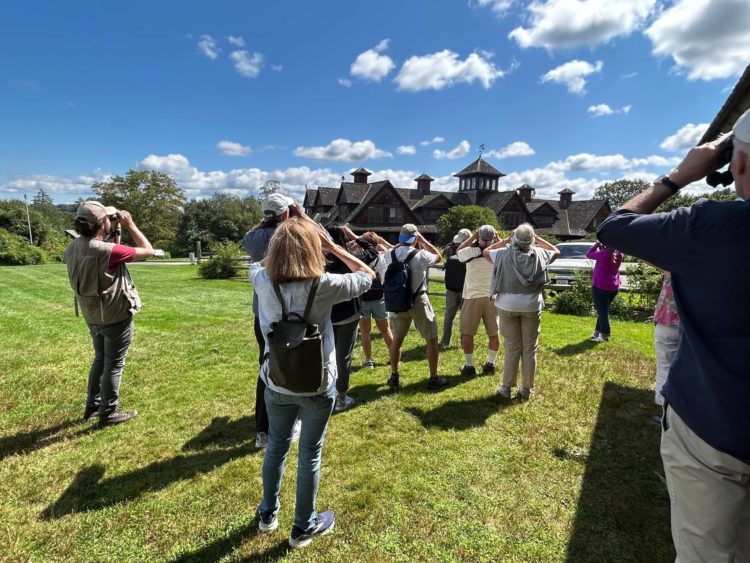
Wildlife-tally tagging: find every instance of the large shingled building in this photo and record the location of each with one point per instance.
(384, 208)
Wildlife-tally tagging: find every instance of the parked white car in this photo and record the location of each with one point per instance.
(572, 258)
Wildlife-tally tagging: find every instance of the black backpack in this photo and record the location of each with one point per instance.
(295, 349)
(346, 309)
(397, 284)
(375, 293)
(455, 274)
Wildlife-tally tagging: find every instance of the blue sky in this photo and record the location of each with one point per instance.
(226, 95)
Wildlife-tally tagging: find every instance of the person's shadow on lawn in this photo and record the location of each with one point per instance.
(461, 415)
(223, 433)
(575, 348)
(89, 491)
(222, 547)
(27, 442)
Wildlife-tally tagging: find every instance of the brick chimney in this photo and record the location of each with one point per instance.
(566, 196)
(526, 192)
(360, 175)
(423, 185)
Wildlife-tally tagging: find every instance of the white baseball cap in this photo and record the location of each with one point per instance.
(276, 204)
(741, 128)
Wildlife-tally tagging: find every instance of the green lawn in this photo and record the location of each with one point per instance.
(572, 475)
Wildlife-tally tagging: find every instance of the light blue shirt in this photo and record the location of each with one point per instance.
(333, 288)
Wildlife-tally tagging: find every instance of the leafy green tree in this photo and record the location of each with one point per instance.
(221, 218)
(620, 191)
(463, 217)
(685, 200)
(152, 198)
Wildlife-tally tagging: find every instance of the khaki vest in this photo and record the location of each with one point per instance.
(104, 298)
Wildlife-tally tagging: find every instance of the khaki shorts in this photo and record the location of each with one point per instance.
(475, 310)
(424, 319)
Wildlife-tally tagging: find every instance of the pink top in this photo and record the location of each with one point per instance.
(606, 274)
(666, 309)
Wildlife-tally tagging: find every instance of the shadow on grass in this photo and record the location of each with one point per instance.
(26, 442)
(461, 415)
(220, 548)
(363, 394)
(577, 348)
(89, 492)
(223, 433)
(623, 508)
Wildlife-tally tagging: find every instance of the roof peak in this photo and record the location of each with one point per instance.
(480, 166)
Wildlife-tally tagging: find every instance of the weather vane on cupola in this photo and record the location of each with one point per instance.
(481, 150)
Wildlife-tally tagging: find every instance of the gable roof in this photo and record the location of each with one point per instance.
(423, 177)
(497, 200)
(479, 166)
(310, 195)
(573, 220)
(351, 192)
(538, 207)
(375, 189)
(427, 200)
(736, 104)
(326, 196)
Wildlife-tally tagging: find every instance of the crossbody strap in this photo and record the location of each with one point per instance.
(311, 298)
(277, 290)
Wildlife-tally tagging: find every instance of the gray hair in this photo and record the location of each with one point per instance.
(523, 236)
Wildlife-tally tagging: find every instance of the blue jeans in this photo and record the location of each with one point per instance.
(111, 343)
(602, 301)
(345, 337)
(314, 413)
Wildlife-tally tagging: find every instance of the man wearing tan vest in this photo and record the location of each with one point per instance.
(107, 299)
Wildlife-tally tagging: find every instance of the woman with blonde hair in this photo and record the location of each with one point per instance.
(292, 270)
(519, 275)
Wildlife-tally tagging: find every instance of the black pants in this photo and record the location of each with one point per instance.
(261, 414)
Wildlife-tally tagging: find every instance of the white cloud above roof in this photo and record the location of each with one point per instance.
(706, 39)
(207, 45)
(461, 150)
(372, 64)
(246, 64)
(600, 110)
(445, 68)
(564, 24)
(517, 148)
(406, 149)
(573, 74)
(433, 141)
(685, 137)
(343, 150)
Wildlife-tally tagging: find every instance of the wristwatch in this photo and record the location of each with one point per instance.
(665, 181)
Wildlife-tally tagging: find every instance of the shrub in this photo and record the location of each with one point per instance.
(576, 300)
(222, 262)
(16, 251)
(644, 283)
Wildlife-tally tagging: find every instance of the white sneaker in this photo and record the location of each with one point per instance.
(261, 440)
(343, 402)
(296, 430)
(599, 338)
(503, 392)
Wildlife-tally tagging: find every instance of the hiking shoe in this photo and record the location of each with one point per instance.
(393, 381)
(524, 394)
(599, 338)
(343, 402)
(323, 525)
(594, 335)
(261, 440)
(488, 369)
(89, 413)
(503, 392)
(468, 371)
(368, 364)
(117, 417)
(436, 382)
(296, 430)
(267, 522)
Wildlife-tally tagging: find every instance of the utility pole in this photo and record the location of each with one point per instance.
(28, 219)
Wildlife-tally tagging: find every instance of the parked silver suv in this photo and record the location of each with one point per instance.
(572, 258)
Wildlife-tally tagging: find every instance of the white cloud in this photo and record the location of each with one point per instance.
(460, 151)
(277, 68)
(518, 148)
(708, 39)
(236, 41)
(345, 82)
(498, 7)
(343, 150)
(230, 148)
(245, 64)
(573, 75)
(445, 68)
(372, 65)
(686, 137)
(629, 75)
(63, 186)
(207, 45)
(434, 141)
(585, 162)
(600, 110)
(563, 24)
(406, 149)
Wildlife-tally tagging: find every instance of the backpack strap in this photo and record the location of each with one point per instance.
(277, 290)
(409, 256)
(311, 298)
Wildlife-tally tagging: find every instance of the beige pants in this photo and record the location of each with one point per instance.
(521, 338)
(666, 340)
(709, 492)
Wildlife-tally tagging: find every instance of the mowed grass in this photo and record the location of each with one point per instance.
(572, 475)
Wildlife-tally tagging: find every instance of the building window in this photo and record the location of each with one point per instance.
(395, 214)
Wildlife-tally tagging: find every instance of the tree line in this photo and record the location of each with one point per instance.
(175, 224)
